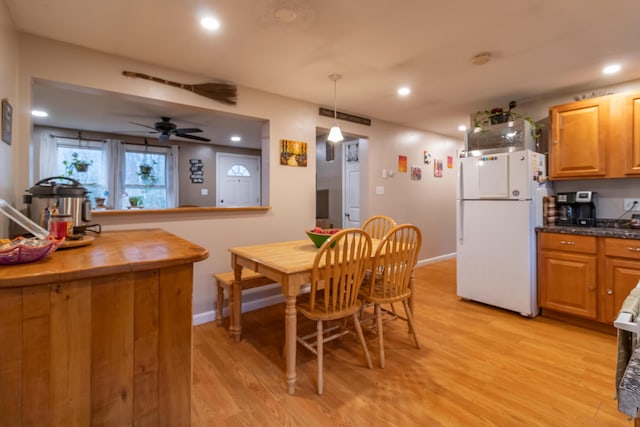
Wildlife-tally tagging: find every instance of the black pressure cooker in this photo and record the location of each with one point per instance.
(63, 196)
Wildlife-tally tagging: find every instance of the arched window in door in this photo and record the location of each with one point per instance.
(238, 170)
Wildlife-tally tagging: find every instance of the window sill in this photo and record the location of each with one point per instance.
(185, 209)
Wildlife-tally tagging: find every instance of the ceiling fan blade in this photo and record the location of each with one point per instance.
(187, 130)
(140, 124)
(197, 138)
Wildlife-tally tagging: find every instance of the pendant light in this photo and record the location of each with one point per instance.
(335, 135)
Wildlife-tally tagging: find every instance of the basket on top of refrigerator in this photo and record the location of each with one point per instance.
(504, 137)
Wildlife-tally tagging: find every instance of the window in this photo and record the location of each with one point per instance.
(83, 161)
(238, 170)
(145, 175)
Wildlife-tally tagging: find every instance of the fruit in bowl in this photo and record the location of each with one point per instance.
(319, 235)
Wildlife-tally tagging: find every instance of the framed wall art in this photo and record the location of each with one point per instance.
(293, 153)
(7, 113)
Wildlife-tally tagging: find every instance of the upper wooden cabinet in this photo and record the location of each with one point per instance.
(578, 139)
(596, 138)
(630, 132)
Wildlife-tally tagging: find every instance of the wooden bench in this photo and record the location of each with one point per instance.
(250, 279)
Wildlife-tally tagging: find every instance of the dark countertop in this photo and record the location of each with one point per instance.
(617, 232)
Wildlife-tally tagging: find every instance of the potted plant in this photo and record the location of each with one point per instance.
(136, 201)
(147, 174)
(485, 118)
(76, 164)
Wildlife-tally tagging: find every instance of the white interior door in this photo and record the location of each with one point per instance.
(351, 185)
(238, 180)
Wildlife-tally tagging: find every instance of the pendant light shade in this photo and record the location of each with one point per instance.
(335, 134)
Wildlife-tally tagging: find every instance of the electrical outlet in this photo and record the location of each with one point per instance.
(628, 204)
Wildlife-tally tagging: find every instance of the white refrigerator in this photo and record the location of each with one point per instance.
(499, 204)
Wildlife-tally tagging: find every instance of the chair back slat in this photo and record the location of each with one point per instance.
(378, 225)
(394, 261)
(338, 271)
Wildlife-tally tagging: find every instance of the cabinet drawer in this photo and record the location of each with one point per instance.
(626, 248)
(568, 242)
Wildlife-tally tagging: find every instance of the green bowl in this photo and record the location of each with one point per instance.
(319, 238)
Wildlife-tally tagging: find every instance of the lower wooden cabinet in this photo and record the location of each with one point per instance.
(567, 278)
(586, 276)
(621, 273)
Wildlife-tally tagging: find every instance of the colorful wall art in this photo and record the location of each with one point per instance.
(293, 153)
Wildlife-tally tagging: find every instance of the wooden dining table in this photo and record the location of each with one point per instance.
(288, 263)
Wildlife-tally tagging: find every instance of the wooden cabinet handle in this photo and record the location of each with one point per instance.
(564, 242)
(609, 291)
(632, 249)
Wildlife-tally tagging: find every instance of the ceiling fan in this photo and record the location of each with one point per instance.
(166, 128)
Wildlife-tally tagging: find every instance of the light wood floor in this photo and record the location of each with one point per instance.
(478, 366)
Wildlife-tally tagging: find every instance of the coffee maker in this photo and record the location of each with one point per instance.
(585, 208)
(576, 208)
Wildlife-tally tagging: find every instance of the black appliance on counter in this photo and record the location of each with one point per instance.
(576, 208)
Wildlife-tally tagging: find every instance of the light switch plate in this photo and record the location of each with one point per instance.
(379, 190)
(204, 191)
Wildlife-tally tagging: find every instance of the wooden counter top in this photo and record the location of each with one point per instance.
(112, 252)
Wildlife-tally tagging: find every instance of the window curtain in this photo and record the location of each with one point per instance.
(115, 159)
(173, 181)
(48, 156)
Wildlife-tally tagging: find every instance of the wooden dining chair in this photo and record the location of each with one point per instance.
(393, 264)
(378, 225)
(337, 273)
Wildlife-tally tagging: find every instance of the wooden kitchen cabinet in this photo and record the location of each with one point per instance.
(621, 273)
(578, 139)
(567, 267)
(630, 132)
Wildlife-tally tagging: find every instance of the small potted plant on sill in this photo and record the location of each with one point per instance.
(136, 202)
(76, 164)
(482, 119)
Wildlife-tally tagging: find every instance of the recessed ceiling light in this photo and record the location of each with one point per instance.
(285, 15)
(38, 113)
(462, 128)
(210, 23)
(611, 69)
(236, 138)
(404, 91)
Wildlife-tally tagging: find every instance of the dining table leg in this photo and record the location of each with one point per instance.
(235, 306)
(290, 342)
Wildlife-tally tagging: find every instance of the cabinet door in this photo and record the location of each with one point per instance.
(621, 275)
(578, 139)
(631, 133)
(567, 283)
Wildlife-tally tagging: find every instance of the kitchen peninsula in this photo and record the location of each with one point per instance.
(100, 334)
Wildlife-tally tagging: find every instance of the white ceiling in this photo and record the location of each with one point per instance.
(538, 47)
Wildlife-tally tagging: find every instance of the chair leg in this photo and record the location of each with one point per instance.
(356, 323)
(378, 310)
(319, 345)
(219, 302)
(410, 321)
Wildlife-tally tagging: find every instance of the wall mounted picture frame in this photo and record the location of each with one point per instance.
(7, 115)
(293, 153)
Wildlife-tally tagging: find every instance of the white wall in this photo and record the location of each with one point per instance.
(291, 190)
(9, 91)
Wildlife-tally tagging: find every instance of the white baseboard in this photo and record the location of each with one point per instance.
(274, 296)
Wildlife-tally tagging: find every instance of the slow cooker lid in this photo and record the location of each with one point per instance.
(50, 187)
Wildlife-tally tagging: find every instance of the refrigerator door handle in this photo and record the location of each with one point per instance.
(460, 220)
(460, 204)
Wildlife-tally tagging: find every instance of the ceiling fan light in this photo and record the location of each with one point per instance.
(335, 134)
